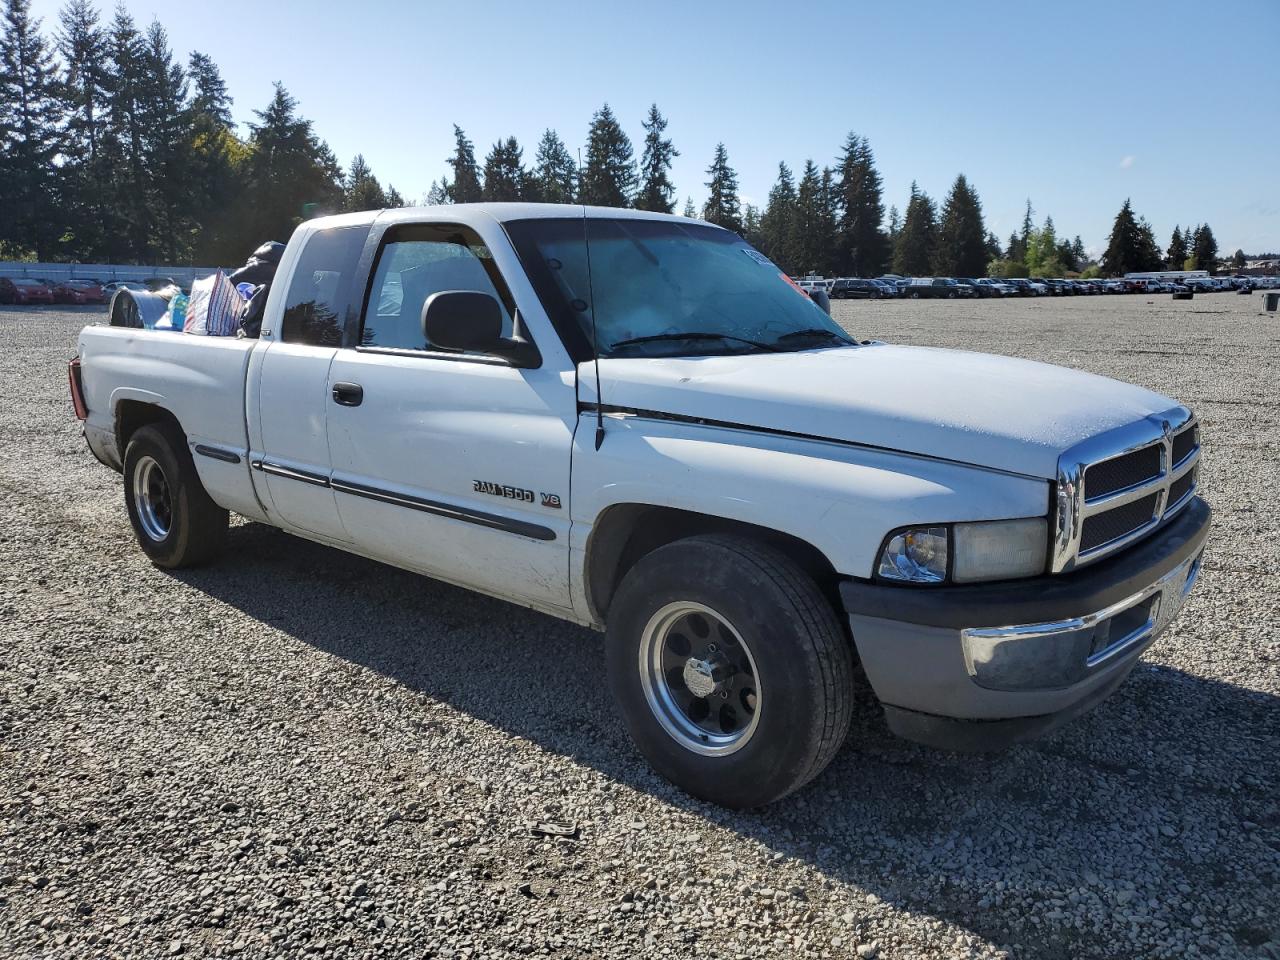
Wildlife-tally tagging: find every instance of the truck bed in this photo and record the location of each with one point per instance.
(200, 380)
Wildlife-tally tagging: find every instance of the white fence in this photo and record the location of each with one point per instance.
(105, 272)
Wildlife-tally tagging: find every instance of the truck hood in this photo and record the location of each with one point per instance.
(991, 411)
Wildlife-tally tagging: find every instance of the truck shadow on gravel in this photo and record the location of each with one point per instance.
(1164, 795)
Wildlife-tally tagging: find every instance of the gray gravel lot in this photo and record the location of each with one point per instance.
(301, 753)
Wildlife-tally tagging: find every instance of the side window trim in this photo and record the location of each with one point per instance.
(375, 247)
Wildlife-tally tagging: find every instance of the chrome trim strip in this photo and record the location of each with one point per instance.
(1071, 506)
(289, 473)
(523, 528)
(1121, 497)
(1189, 569)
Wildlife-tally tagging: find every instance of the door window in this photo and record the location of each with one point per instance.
(417, 261)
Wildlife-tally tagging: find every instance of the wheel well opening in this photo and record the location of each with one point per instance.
(627, 532)
(133, 414)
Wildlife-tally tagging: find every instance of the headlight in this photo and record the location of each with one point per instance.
(917, 555)
(1000, 549)
(990, 550)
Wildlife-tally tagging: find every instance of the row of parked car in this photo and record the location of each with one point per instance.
(24, 290)
(953, 288)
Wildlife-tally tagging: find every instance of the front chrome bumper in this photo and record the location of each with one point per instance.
(984, 665)
(1061, 652)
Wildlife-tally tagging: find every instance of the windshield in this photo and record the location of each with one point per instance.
(665, 288)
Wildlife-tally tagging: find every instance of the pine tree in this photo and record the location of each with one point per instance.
(1177, 253)
(166, 124)
(1017, 250)
(1127, 247)
(962, 239)
(657, 193)
(1150, 257)
(918, 240)
(811, 239)
(994, 250)
(291, 173)
(555, 175)
(1239, 260)
(690, 210)
(776, 224)
(504, 173)
(465, 187)
(83, 47)
(438, 194)
(1066, 257)
(1078, 253)
(1205, 249)
(361, 189)
(895, 226)
(828, 214)
(1042, 251)
(723, 208)
(393, 199)
(751, 224)
(216, 159)
(209, 91)
(862, 247)
(123, 148)
(30, 138)
(609, 177)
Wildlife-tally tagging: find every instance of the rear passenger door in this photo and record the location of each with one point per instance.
(291, 402)
(453, 464)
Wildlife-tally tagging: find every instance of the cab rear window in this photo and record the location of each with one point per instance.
(324, 300)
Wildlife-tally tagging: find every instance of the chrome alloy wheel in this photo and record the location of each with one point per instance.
(152, 499)
(700, 679)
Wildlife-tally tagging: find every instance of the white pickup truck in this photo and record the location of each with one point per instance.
(638, 423)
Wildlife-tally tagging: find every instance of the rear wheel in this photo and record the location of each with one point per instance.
(175, 521)
(732, 674)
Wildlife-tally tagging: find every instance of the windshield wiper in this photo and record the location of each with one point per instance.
(694, 335)
(816, 332)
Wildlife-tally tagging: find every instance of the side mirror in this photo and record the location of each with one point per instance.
(471, 321)
(821, 298)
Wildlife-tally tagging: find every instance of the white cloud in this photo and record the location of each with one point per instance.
(1127, 162)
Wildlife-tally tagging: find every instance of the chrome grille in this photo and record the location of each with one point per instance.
(1186, 443)
(1181, 488)
(1117, 487)
(1120, 473)
(1103, 528)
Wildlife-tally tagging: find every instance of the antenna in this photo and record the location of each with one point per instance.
(595, 336)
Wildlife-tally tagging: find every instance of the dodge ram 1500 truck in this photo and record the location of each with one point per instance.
(639, 423)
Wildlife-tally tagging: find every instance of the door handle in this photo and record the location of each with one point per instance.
(348, 394)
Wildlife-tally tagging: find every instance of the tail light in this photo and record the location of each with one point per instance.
(77, 389)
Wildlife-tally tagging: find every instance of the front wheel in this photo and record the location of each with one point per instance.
(730, 669)
(175, 521)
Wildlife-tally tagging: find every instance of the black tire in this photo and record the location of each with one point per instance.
(802, 662)
(914, 295)
(175, 521)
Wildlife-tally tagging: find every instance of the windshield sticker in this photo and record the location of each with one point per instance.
(757, 256)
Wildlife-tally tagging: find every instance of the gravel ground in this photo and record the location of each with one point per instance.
(302, 753)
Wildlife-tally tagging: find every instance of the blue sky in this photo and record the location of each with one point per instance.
(1076, 106)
